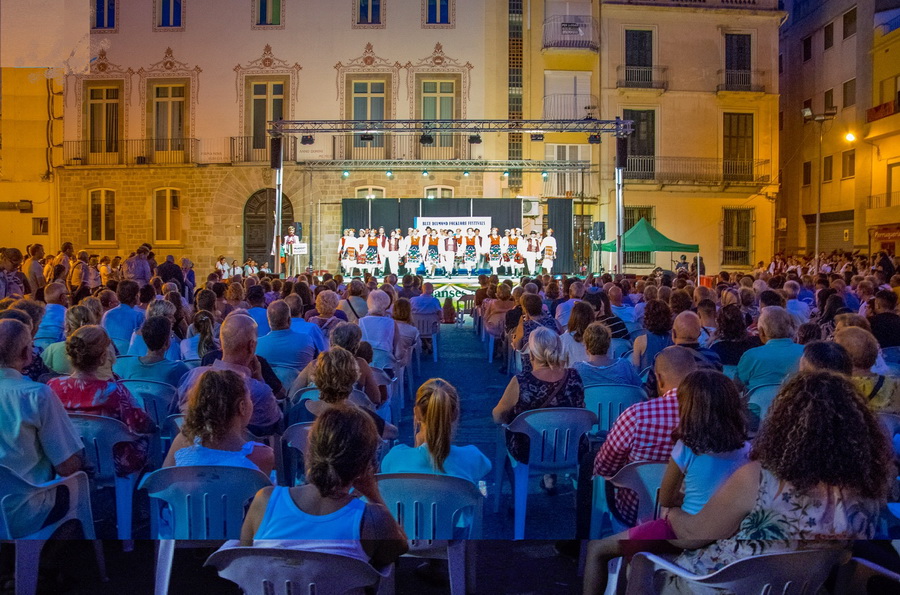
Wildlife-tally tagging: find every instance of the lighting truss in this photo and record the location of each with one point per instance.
(394, 165)
(617, 127)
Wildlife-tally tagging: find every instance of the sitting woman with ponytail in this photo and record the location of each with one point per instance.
(324, 516)
(436, 415)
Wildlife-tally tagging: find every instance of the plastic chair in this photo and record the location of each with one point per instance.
(862, 576)
(191, 363)
(788, 572)
(554, 434)
(644, 479)
(891, 355)
(277, 571)
(295, 439)
(429, 326)
(428, 507)
(608, 401)
(618, 348)
(99, 434)
(758, 402)
(286, 374)
(28, 547)
(157, 399)
(730, 371)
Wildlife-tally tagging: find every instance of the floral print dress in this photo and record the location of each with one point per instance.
(785, 520)
(93, 396)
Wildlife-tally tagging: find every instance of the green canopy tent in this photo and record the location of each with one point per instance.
(643, 237)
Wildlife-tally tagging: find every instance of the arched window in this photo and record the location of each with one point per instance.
(439, 192)
(167, 215)
(102, 215)
(370, 192)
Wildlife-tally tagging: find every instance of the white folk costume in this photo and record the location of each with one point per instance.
(495, 252)
(470, 253)
(548, 248)
(532, 252)
(347, 248)
(413, 252)
(432, 253)
(223, 268)
(392, 252)
(516, 262)
(448, 249)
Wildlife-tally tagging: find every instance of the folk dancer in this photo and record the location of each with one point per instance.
(413, 249)
(470, 251)
(392, 252)
(432, 251)
(291, 260)
(495, 250)
(223, 268)
(373, 259)
(548, 248)
(362, 244)
(516, 262)
(347, 252)
(481, 249)
(449, 248)
(532, 252)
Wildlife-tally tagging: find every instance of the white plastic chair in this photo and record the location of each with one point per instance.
(644, 479)
(428, 507)
(294, 438)
(608, 401)
(618, 348)
(429, 326)
(99, 434)
(286, 374)
(554, 435)
(862, 576)
(271, 571)
(758, 402)
(28, 547)
(788, 572)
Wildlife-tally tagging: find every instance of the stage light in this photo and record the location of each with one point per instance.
(595, 139)
(537, 137)
(506, 174)
(307, 139)
(545, 175)
(367, 137)
(426, 139)
(345, 174)
(389, 173)
(475, 139)
(424, 173)
(466, 174)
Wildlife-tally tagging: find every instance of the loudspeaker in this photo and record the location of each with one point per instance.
(275, 152)
(298, 230)
(598, 233)
(621, 151)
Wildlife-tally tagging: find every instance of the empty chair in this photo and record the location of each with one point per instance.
(294, 440)
(554, 435)
(436, 507)
(608, 401)
(644, 479)
(286, 374)
(791, 572)
(429, 327)
(99, 435)
(271, 571)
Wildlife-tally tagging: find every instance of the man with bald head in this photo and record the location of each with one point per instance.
(282, 346)
(564, 310)
(238, 340)
(644, 431)
(779, 356)
(623, 309)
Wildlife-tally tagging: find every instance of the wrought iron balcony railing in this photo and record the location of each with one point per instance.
(881, 201)
(254, 149)
(571, 31)
(697, 170)
(570, 106)
(751, 81)
(147, 151)
(642, 77)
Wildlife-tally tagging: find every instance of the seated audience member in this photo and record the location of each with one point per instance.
(218, 412)
(84, 392)
(448, 315)
(798, 310)
(29, 313)
(616, 325)
(580, 316)
(706, 310)
(599, 368)
(122, 321)
(354, 304)
(256, 298)
(339, 458)
(425, 304)
(282, 346)
(326, 315)
(882, 393)
(380, 330)
(302, 327)
(547, 384)
(53, 324)
(711, 444)
(826, 355)
(495, 312)
(409, 334)
(800, 489)
(623, 310)
(886, 322)
(156, 333)
(807, 333)
(777, 358)
(644, 431)
(834, 305)
(55, 354)
(37, 440)
(658, 323)
(533, 318)
(348, 336)
(235, 295)
(138, 346)
(564, 310)
(203, 340)
(436, 414)
(238, 338)
(731, 339)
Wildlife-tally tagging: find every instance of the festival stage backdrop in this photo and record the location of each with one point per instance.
(392, 213)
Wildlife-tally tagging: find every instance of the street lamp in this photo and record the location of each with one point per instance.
(820, 119)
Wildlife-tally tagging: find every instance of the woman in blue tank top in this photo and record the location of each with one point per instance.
(324, 516)
(658, 322)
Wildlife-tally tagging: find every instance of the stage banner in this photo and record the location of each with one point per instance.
(454, 223)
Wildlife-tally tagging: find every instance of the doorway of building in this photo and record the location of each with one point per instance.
(259, 224)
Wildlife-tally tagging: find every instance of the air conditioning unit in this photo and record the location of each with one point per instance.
(531, 207)
(782, 224)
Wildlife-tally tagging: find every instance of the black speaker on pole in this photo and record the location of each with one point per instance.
(621, 151)
(298, 230)
(275, 152)
(598, 233)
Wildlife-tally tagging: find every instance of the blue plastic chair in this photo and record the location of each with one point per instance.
(643, 478)
(279, 571)
(608, 401)
(758, 402)
(286, 374)
(618, 348)
(429, 507)
(554, 435)
(157, 399)
(99, 434)
(294, 440)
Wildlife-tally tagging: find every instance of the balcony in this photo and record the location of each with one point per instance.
(571, 31)
(746, 81)
(882, 111)
(570, 106)
(697, 170)
(148, 151)
(883, 201)
(250, 149)
(641, 77)
(745, 4)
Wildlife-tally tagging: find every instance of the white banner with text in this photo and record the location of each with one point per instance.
(454, 223)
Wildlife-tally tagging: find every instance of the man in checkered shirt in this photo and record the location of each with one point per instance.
(644, 431)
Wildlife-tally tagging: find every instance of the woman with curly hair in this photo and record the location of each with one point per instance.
(658, 323)
(215, 427)
(731, 338)
(821, 469)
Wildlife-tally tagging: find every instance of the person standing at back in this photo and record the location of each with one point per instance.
(34, 271)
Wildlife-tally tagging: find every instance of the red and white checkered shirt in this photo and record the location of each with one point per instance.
(642, 433)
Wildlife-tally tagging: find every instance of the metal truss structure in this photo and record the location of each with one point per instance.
(617, 127)
(464, 165)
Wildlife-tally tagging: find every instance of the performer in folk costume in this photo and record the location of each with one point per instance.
(505, 245)
(413, 251)
(470, 251)
(223, 268)
(372, 258)
(362, 244)
(432, 251)
(392, 252)
(291, 260)
(458, 260)
(480, 249)
(495, 250)
(532, 252)
(518, 261)
(448, 249)
(548, 248)
(347, 251)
